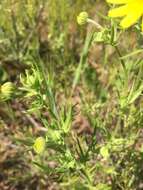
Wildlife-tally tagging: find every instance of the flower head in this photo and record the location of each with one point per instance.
(131, 10)
(39, 145)
(82, 18)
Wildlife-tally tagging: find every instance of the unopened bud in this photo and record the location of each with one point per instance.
(39, 145)
(6, 90)
(82, 18)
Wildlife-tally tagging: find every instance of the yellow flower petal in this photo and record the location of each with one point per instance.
(129, 20)
(118, 12)
(131, 9)
(118, 1)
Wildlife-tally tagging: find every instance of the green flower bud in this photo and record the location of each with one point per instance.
(82, 18)
(55, 135)
(6, 91)
(39, 145)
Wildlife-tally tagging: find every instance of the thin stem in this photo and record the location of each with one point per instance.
(98, 26)
(120, 55)
(14, 24)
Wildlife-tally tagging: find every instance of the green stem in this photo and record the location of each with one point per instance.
(98, 26)
(120, 55)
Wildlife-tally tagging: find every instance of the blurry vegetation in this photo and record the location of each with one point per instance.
(71, 111)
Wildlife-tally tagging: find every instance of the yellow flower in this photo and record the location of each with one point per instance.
(131, 10)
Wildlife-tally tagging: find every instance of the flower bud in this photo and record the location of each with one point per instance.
(39, 145)
(6, 91)
(82, 18)
(54, 135)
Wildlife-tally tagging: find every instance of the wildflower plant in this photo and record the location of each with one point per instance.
(103, 164)
(87, 136)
